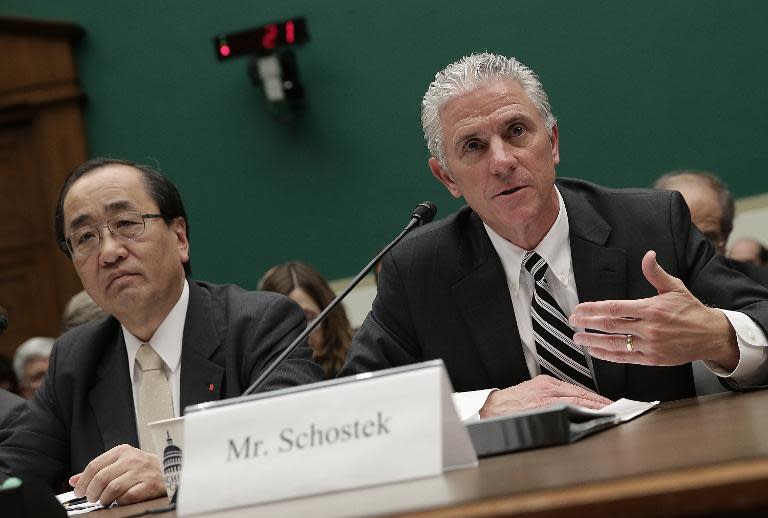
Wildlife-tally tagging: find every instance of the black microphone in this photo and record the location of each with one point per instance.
(422, 214)
(3, 320)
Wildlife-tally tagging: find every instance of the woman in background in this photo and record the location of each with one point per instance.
(331, 340)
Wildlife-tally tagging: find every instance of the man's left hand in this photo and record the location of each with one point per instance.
(671, 328)
(124, 474)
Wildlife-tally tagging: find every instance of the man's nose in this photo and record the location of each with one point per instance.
(502, 156)
(111, 248)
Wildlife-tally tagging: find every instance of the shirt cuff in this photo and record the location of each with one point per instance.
(751, 340)
(468, 404)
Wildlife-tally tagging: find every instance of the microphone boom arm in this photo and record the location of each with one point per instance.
(423, 214)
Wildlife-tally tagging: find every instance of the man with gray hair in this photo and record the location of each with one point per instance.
(547, 291)
(31, 363)
(709, 200)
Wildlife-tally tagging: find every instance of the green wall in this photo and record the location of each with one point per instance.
(639, 88)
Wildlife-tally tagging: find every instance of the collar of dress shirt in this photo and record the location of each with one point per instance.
(167, 339)
(555, 248)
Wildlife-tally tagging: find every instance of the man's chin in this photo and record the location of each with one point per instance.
(512, 215)
(121, 299)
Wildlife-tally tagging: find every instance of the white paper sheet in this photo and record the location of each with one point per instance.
(76, 509)
(624, 409)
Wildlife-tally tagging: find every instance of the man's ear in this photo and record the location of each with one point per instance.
(179, 228)
(555, 141)
(444, 177)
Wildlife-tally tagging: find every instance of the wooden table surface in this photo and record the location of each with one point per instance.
(701, 456)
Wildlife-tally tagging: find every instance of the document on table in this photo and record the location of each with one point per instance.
(73, 505)
(548, 426)
(624, 409)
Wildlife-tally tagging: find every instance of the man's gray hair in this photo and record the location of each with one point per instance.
(37, 347)
(468, 74)
(671, 180)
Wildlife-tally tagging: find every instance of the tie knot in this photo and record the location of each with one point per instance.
(535, 265)
(148, 358)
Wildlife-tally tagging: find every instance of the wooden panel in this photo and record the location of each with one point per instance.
(28, 276)
(37, 55)
(26, 279)
(21, 213)
(41, 140)
(60, 127)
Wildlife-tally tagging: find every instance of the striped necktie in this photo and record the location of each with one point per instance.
(558, 356)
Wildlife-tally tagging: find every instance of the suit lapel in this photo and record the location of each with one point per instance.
(112, 394)
(484, 301)
(600, 272)
(201, 378)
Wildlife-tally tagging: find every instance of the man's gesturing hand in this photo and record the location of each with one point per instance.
(541, 391)
(670, 328)
(124, 473)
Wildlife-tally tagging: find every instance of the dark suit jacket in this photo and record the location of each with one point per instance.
(85, 406)
(443, 292)
(10, 406)
(759, 274)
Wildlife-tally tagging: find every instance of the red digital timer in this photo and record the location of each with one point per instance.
(262, 40)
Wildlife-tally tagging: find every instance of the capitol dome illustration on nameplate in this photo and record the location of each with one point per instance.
(171, 466)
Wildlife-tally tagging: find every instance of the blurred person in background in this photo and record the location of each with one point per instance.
(80, 309)
(331, 340)
(31, 363)
(708, 199)
(712, 211)
(749, 251)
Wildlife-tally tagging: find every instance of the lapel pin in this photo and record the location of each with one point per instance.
(210, 387)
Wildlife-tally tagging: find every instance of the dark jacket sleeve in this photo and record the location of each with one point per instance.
(387, 337)
(36, 443)
(10, 406)
(710, 276)
(280, 322)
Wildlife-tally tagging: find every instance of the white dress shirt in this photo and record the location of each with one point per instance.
(167, 343)
(555, 248)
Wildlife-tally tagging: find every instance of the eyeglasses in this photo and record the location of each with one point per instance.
(128, 225)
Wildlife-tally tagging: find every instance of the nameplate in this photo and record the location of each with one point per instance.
(375, 428)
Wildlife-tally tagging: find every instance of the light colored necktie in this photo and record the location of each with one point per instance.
(155, 401)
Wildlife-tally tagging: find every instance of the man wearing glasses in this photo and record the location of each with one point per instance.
(712, 211)
(169, 342)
